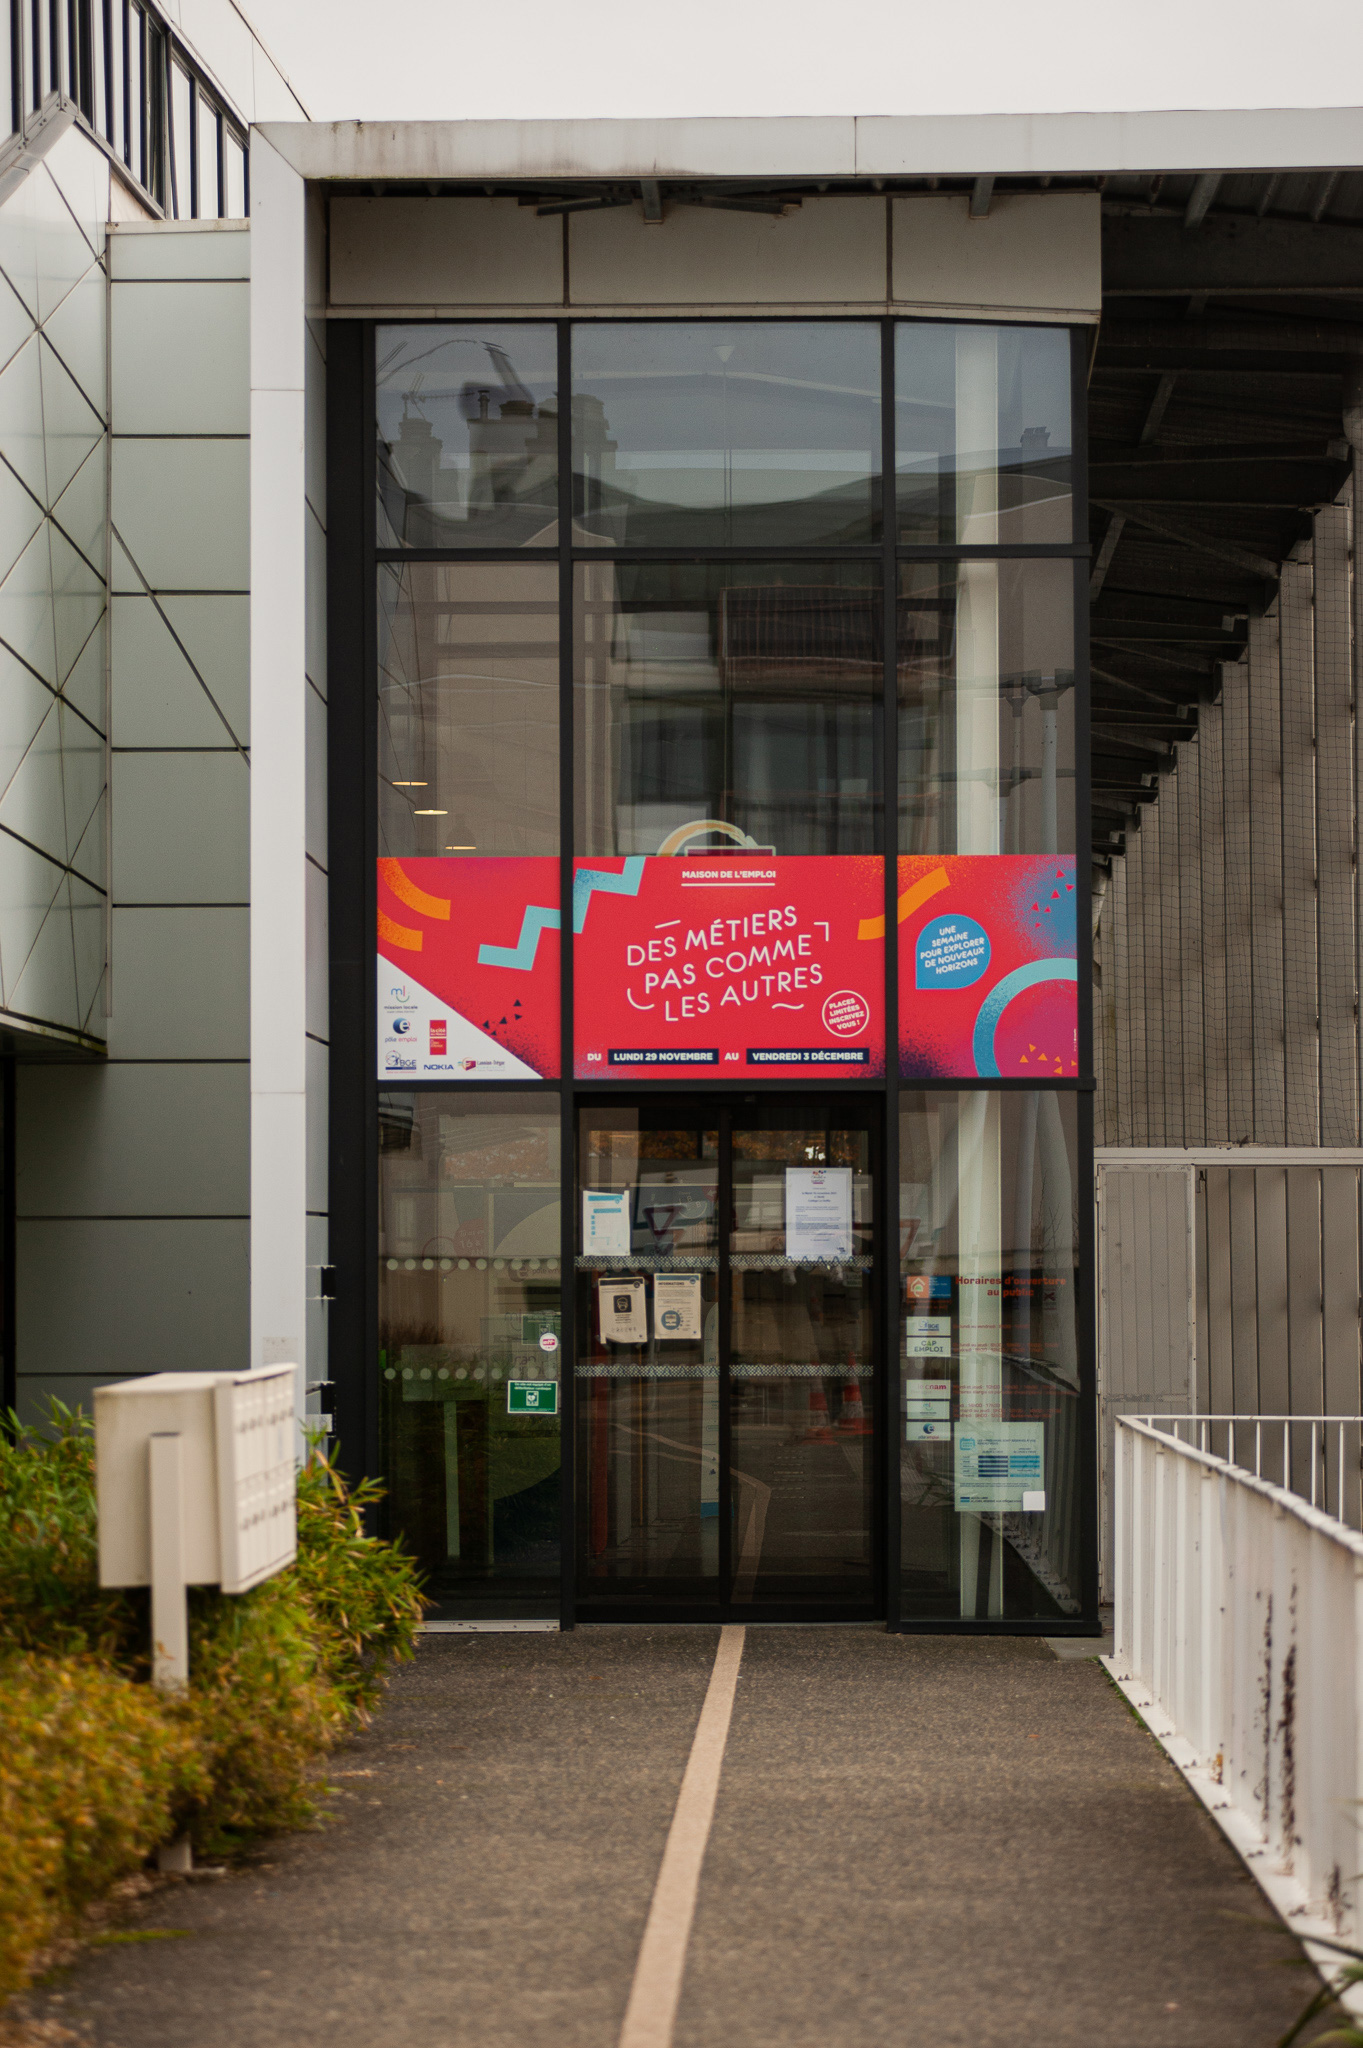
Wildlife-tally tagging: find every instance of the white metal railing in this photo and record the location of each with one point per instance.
(1239, 1635)
(1316, 1457)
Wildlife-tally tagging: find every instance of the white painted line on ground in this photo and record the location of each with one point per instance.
(652, 2010)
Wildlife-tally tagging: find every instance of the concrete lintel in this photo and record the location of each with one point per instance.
(828, 146)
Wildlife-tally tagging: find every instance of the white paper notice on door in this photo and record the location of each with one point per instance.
(676, 1307)
(818, 1212)
(624, 1311)
(605, 1221)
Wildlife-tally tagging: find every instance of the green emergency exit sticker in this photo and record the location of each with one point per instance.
(532, 1397)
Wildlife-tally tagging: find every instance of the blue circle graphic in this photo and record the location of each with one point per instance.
(997, 1001)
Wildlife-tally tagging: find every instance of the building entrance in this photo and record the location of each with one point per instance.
(728, 1384)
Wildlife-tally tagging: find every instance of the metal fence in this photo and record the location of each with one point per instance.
(1316, 1457)
(1239, 1637)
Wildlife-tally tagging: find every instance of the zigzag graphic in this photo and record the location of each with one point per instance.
(534, 920)
(586, 880)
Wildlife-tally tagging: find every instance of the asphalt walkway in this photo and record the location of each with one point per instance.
(916, 1840)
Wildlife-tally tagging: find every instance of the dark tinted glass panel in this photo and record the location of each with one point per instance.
(802, 1355)
(468, 436)
(469, 1281)
(726, 433)
(989, 1379)
(727, 705)
(648, 1399)
(468, 708)
(982, 434)
(986, 707)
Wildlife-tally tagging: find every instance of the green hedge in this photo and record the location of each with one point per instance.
(96, 1768)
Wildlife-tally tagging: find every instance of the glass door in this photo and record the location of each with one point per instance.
(728, 1399)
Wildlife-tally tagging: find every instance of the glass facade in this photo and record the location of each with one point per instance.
(634, 716)
(727, 704)
(983, 435)
(989, 1355)
(467, 436)
(711, 433)
(469, 1285)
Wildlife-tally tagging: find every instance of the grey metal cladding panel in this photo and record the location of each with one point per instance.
(1265, 807)
(1339, 1210)
(113, 1297)
(1172, 964)
(1301, 1045)
(1190, 944)
(1214, 1284)
(1135, 937)
(1335, 831)
(181, 358)
(180, 828)
(34, 1392)
(183, 983)
(1244, 1291)
(1270, 1273)
(1121, 966)
(1304, 1303)
(133, 1140)
(1240, 904)
(1153, 965)
(1210, 752)
(1202, 1388)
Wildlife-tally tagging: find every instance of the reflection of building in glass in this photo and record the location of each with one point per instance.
(472, 461)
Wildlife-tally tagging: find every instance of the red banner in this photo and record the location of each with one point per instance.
(729, 964)
(468, 969)
(988, 981)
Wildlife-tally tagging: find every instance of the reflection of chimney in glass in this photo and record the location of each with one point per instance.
(593, 455)
(416, 459)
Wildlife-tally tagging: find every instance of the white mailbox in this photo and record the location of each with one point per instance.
(195, 1476)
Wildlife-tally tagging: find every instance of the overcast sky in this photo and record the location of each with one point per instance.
(533, 59)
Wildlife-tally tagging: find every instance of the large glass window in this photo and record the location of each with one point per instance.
(727, 704)
(726, 433)
(469, 1284)
(468, 708)
(989, 1408)
(983, 441)
(986, 707)
(468, 436)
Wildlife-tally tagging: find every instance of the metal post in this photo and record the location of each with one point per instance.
(169, 1612)
(1121, 1591)
(1157, 1609)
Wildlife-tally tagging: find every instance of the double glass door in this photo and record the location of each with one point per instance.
(727, 1396)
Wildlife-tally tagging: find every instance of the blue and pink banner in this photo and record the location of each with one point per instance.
(988, 978)
(757, 965)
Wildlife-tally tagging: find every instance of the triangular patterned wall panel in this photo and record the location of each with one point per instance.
(53, 456)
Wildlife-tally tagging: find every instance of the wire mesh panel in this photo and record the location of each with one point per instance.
(1266, 878)
(1212, 876)
(1334, 829)
(1241, 904)
(1301, 1047)
(1146, 1278)
(1189, 879)
(1119, 1126)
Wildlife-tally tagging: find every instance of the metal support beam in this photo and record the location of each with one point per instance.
(1200, 198)
(1164, 391)
(1205, 543)
(980, 197)
(1103, 559)
(652, 195)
